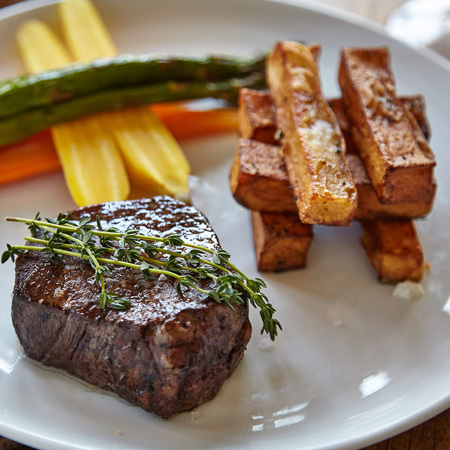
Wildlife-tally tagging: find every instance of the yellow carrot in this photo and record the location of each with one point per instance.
(92, 163)
(34, 35)
(37, 154)
(84, 31)
(154, 160)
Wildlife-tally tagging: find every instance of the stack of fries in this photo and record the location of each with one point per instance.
(302, 160)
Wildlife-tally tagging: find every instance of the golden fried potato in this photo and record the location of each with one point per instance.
(259, 182)
(313, 146)
(369, 207)
(281, 241)
(416, 105)
(397, 158)
(257, 117)
(258, 178)
(393, 249)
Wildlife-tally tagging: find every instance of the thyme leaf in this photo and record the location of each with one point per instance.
(170, 255)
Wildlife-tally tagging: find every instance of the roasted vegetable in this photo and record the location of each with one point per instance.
(314, 149)
(394, 151)
(36, 154)
(394, 249)
(154, 160)
(32, 156)
(21, 94)
(91, 160)
(35, 120)
(259, 179)
(32, 103)
(85, 33)
(281, 241)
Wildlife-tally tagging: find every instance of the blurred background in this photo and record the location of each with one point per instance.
(420, 23)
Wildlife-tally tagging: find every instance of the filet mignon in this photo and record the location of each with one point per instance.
(165, 353)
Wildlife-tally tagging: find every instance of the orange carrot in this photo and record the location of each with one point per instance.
(37, 155)
(29, 157)
(185, 123)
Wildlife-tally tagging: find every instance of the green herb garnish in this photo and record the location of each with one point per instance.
(184, 261)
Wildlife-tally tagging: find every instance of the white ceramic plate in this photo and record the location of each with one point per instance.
(353, 365)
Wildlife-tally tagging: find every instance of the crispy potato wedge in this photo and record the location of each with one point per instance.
(397, 158)
(393, 249)
(416, 105)
(313, 146)
(258, 178)
(369, 206)
(337, 106)
(251, 172)
(259, 182)
(257, 117)
(281, 241)
(256, 112)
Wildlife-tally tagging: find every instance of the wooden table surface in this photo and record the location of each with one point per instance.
(435, 433)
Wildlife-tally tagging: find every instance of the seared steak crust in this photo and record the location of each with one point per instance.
(166, 353)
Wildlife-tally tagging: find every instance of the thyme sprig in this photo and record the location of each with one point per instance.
(154, 256)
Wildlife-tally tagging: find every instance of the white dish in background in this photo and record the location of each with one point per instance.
(353, 365)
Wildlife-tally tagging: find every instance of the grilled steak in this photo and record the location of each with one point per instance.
(165, 353)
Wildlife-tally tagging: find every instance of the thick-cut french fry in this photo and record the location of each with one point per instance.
(393, 249)
(369, 206)
(394, 151)
(392, 245)
(154, 160)
(313, 146)
(281, 241)
(416, 105)
(256, 116)
(259, 182)
(90, 158)
(257, 120)
(256, 113)
(258, 178)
